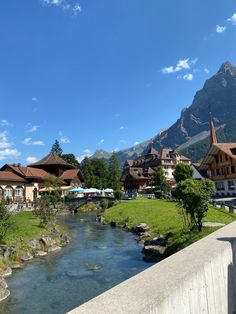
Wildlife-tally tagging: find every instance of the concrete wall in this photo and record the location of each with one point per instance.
(199, 279)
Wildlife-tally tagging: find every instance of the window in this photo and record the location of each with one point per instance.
(226, 157)
(219, 186)
(232, 169)
(231, 185)
(19, 192)
(8, 192)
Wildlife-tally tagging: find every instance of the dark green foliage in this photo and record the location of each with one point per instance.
(161, 186)
(114, 173)
(193, 196)
(104, 203)
(183, 172)
(70, 159)
(95, 173)
(56, 148)
(4, 220)
(45, 211)
(118, 195)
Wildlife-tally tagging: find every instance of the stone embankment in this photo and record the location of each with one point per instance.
(154, 249)
(12, 257)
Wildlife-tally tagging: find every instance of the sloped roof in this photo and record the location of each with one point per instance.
(152, 151)
(70, 174)
(10, 176)
(27, 172)
(228, 148)
(52, 159)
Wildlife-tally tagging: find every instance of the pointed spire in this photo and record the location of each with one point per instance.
(213, 138)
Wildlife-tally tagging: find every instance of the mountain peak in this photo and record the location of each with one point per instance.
(227, 67)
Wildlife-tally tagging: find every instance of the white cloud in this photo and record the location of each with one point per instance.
(29, 141)
(32, 128)
(64, 140)
(4, 122)
(6, 153)
(136, 143)
(4, 142)
(64, 5)
(31, 159)
(34, 99)
(123, 128)
(86, 153)
(232, 19)
(116, 149)
(188, 77)
(220, 29)
(182, 64)
(206, 70)
(101, 142)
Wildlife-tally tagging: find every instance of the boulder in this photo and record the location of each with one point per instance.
(4, 292)
(141, 228)
(48, 241)
(40, 253)
(15, 265)
(155, 250)
(6, 273)
(156, 241)
(34, 244)
(25, 257)
(54, 248)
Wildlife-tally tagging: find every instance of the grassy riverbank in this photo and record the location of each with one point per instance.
(162, 217)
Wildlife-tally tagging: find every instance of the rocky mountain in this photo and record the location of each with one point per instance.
(190, 133)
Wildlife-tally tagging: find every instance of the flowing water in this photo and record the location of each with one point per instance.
(97, 258)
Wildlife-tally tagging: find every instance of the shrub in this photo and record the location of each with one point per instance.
(118, 195)
(104, 203)
(4, 220)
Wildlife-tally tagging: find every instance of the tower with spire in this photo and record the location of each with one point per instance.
(213, 138)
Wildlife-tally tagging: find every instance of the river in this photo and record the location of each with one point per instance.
(97, 258)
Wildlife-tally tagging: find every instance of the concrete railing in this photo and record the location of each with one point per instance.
(199, 279)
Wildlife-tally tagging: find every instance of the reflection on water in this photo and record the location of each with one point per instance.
(98, 258)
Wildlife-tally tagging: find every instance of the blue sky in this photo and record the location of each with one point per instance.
(103, 74)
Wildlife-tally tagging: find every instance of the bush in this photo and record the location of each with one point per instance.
(118, 195)
(44, 211)
(104, 203)
(4, 220)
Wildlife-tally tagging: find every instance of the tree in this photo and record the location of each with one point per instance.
(4, 220)
(70, 159)
(87, 170)
(114, 173)
(193, 196)
(159, 182)
(183, 172)
(56, 148)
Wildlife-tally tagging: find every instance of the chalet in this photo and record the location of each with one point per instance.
(138, 174)
(220, 163)
(18, 183)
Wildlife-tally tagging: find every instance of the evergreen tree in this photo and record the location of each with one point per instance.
(56, 148)
(114, 173)
(70, 159)
(87, 170)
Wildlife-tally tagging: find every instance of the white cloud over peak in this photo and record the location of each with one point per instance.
(64, 5)
(29, 141)
(206, 70)
(86, 153)
(31, 159)
(220, 29)
(136, 143)
(232, 19)
(182, 64)
(101, 142)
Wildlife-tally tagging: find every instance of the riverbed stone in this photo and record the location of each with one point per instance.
(4, 292)
(156, 241)
(34, 244)
(141, 228)
(6, 273)
(15, 265)
(40, 253)
(48, 241)
(156, 250)
(54, 248)
(25, 257)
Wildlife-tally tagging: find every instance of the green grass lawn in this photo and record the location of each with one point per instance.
(25, 226)
(161, 217)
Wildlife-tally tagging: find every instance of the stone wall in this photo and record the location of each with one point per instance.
(199, 279)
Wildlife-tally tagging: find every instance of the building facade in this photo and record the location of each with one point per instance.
(138, 174)
(220, 163)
